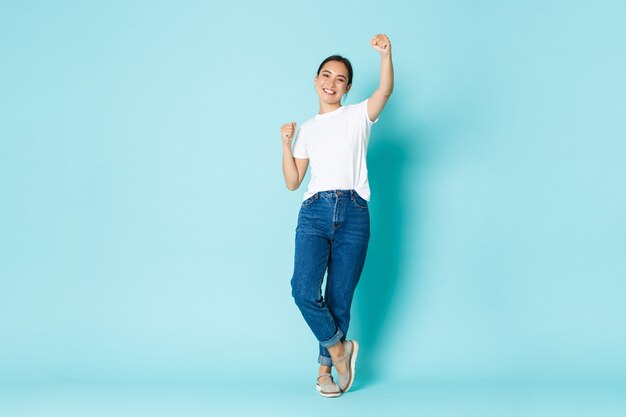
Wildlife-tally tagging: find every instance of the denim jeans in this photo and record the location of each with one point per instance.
(331, 238)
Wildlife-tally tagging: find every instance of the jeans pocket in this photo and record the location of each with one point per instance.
(359, 202)
(309, 200)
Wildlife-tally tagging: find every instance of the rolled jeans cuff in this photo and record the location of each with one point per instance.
(333, 340)
(325, 360)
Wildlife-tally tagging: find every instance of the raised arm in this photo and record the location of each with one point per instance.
(293, 168)
(379, 98)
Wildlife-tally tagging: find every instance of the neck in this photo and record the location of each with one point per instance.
(327, 108)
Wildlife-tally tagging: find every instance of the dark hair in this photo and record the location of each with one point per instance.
(338, 58)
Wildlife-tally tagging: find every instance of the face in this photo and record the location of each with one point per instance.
(332, 82)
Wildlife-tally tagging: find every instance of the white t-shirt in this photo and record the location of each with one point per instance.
(336, 145)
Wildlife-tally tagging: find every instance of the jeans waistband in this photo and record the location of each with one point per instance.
(335, 193)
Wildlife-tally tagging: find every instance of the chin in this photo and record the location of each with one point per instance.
(331, 100)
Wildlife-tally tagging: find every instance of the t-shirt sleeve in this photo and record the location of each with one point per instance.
(363, 104)
(299, 146)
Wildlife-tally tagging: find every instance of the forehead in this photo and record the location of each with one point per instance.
(336, 67)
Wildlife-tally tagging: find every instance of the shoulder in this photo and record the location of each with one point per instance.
(308, 124)
(358, 110)
(304, 130)
(305, 125)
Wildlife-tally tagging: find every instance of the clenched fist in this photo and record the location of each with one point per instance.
(381, 43)
(287, 132)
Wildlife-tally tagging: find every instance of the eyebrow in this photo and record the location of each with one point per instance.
(339, 75)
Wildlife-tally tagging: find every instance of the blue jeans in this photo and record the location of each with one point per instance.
(331, 238)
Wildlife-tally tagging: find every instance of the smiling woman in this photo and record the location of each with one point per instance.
(333, 229)
(335, 72)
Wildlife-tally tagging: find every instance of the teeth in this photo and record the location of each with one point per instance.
(329, 91)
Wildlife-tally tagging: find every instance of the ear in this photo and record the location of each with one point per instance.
(348, 88)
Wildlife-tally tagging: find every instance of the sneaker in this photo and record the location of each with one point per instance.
(346, 379)
(327, 389)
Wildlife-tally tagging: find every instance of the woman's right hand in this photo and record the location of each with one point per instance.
(287, 132)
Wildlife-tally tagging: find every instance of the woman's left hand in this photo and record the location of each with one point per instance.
(381, 43)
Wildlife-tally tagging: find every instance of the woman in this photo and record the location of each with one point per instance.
(333, 223)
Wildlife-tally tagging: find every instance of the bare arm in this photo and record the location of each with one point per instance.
(379, 98)
(293, 168)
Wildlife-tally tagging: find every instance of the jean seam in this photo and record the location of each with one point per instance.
(356, 203)
(313, 198)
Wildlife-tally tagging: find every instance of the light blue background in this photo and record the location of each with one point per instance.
(146, 233)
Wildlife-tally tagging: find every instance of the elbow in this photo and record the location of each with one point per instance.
(292, 187)
(386, 91)
(389, 91)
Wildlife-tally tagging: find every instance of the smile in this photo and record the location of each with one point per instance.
(327, 91)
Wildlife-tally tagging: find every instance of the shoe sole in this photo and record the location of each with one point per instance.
(355, 352)
(327, 394)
